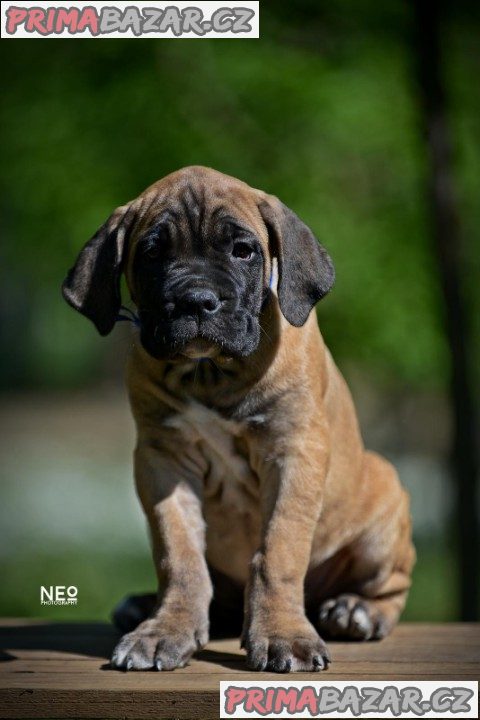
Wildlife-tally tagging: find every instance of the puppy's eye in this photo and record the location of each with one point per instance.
(152, 252)
(242, 250)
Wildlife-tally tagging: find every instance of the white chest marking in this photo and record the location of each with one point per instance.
(216, 436)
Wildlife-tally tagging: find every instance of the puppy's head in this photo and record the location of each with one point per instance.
(196, 249)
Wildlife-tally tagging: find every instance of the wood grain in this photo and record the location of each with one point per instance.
(61, 670)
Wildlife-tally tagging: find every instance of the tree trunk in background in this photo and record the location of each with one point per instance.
(445, 229)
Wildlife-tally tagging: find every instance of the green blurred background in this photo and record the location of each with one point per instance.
(323, 111)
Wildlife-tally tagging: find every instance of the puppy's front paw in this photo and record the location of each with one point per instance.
(152, 646)
(298, 650)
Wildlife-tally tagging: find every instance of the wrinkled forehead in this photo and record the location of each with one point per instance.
(199, 205)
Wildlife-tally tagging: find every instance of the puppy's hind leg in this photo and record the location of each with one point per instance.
(133, 610)
(378, 581)
(350, 616)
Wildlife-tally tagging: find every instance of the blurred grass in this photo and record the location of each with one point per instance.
(433, 596)
(103, 579)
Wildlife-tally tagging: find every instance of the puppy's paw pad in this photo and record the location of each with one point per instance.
(174, 652)
(148, 648)
(135, 651)
(284, 655)
(352, 618)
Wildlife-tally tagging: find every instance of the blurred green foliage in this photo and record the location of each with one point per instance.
(104, 578)
(321, 111)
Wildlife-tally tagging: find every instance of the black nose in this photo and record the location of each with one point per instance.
(199, 301)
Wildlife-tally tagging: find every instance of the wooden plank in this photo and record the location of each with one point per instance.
(61, 670)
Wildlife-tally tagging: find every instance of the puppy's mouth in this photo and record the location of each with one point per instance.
(234, 336)
(199, 349)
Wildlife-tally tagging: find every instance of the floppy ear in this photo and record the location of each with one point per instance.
(92, 286)
(305, 270)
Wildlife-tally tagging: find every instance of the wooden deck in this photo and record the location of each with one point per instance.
(62, 671)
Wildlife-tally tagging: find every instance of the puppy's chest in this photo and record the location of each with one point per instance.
(229, 479)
